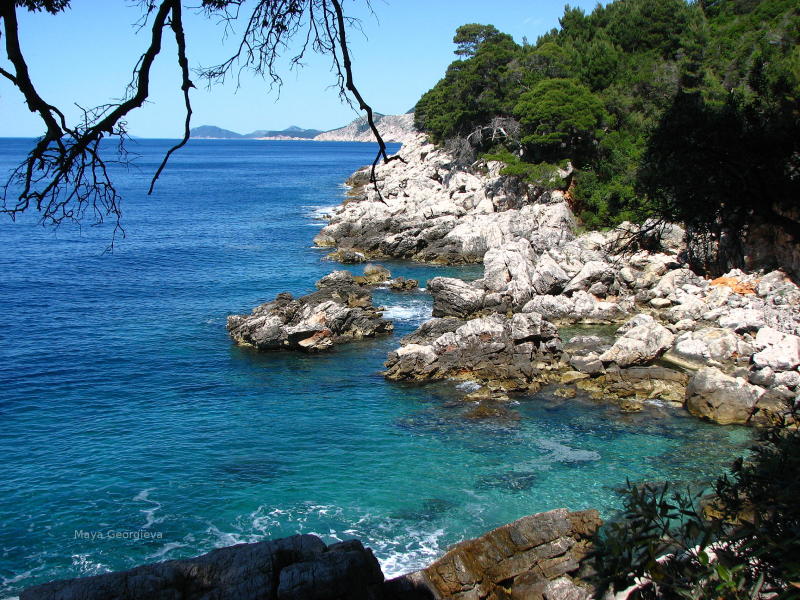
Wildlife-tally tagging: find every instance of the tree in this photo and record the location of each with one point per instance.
(469, 37)
(741, 543)
(65, 175)
(560, 118)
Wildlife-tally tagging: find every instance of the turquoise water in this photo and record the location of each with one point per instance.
(127, 413)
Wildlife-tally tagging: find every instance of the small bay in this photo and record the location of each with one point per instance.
(133, 430)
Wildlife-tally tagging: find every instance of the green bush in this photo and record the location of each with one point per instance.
(544, 175)
(744, 544)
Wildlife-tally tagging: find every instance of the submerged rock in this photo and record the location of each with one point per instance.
(401, 284)
(340, 311)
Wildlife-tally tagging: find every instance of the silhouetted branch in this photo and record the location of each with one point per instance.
(65, 174)
(361, 103)
(176, 23)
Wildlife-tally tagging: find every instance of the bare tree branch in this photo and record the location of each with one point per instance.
(348, 69)
(176, 23)
(66, 174)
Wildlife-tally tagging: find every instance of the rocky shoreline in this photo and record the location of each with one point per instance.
(533, 557)
(727, 349)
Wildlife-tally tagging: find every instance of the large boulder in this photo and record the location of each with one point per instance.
(300, 567)
(529, 558)
(721, 398)
(777, 350)
(454, 297)
(696, 348)
(640, 344)
(340, 311)
(505, 352)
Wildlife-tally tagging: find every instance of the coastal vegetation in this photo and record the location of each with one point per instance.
(741, 542)
(681, 111)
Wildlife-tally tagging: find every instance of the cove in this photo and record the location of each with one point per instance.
(125, 407)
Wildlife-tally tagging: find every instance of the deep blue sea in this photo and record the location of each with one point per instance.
(132, 430)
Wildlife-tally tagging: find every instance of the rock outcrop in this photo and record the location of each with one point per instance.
(674, 321)
(340, 311)
(430, 210)
(718, 397)
(393, 128)
(529, 558)
(501, 352)
(300, 567)
(533, 557)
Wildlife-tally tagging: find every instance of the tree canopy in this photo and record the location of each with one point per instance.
(687, 111)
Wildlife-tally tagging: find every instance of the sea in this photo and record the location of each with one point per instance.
(132, 430)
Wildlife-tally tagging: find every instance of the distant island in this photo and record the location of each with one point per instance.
(213, 132)
(393, 128)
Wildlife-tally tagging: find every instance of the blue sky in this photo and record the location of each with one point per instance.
(85, 57)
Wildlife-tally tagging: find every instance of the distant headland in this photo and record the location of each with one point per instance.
(393, 128)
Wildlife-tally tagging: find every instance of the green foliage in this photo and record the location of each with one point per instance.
(51, 6)
(743, 543)
(686, 110)
(544, 175)
(471, 93)
(468, 38)
(559, 116)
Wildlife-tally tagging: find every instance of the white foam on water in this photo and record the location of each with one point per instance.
(87, 566)
(468, 386)
(169, 547)
(413, 550)
(659, 403)
(398, 547)
(321, 213)
(4, 581)
(413, 311)
(148, 513)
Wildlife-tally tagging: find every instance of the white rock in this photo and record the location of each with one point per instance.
(781, 351)
(742, 319)
(713, 395)
(639, 345)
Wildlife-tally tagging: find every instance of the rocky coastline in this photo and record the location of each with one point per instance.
(340, 311)
(727, 349)
(538, 556)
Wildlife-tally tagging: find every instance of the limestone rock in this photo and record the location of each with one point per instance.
(780, 351)
(401, 284)
(374, 274)
(494, 349)
(709, 343)
(593, 271)
(454, 297)
(639, 345)
(347, 257)
(721, 398)
(340, 311)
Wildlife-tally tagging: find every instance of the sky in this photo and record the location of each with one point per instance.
(84, 57)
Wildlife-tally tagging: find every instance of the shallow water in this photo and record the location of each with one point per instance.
(127, 414)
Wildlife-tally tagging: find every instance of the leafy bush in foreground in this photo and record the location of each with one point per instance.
(742, 544)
